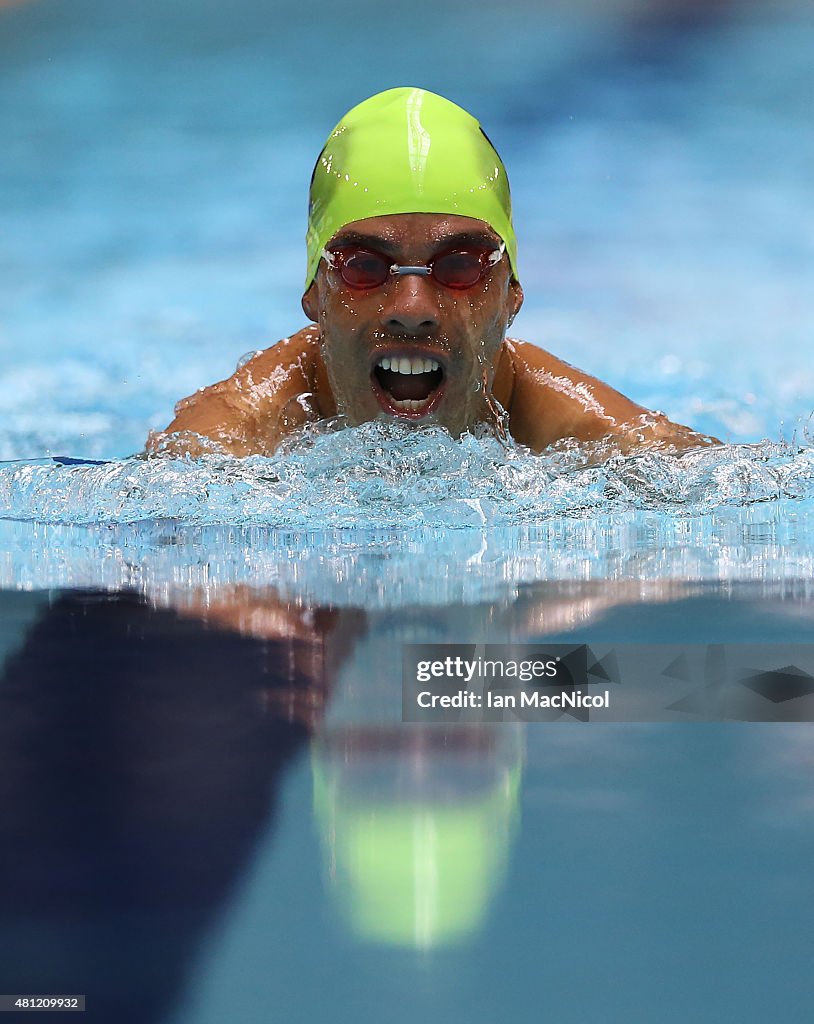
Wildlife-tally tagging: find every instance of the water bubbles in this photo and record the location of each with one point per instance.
(386, 474)
(571, 512)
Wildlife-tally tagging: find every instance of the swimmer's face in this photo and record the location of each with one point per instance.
(448, 339)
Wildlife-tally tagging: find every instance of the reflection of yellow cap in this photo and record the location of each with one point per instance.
(416, 874)
(407, 151)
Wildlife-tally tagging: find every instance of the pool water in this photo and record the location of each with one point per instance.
(211, 809)
(182, 853)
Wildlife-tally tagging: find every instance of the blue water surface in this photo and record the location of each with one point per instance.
(153, 190)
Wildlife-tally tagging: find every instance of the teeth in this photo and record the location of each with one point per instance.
(409, 404)
(405, 365)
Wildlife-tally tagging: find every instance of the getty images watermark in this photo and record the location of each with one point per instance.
(622, 683)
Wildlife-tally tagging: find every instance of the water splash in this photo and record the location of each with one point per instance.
(386, 475)
(386, 516)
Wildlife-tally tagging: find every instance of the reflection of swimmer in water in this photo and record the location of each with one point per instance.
(412, 284)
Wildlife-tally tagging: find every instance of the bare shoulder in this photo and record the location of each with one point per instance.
(296, 354)
(248, 413)
(552, 400)
(530, 359)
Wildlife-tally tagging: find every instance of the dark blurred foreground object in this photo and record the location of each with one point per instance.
(139, 771)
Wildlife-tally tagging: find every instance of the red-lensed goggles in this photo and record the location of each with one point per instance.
(456, 268)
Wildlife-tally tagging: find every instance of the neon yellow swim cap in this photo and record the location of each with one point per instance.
(407, 151)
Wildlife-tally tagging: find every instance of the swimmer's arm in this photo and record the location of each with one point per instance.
(272, 394)
(314, 642)
(551, 401)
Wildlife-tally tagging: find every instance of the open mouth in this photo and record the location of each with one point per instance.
(409, 386)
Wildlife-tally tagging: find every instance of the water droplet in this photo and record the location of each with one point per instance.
(247, 357)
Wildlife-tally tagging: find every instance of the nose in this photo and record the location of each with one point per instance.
(411, 306)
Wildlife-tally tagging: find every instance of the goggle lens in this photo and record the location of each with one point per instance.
(363, 269)
(462, 268)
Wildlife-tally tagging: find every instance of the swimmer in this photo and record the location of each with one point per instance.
(411, 287)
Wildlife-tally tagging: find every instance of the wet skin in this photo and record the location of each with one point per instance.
(335, 366)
